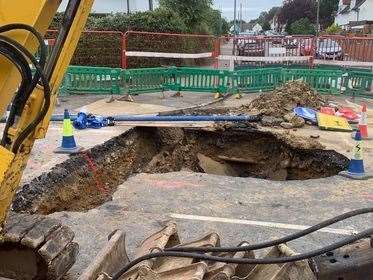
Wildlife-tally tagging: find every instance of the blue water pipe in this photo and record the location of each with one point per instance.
(184, 118)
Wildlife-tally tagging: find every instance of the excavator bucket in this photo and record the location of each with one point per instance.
(113, 257)
(109, 259)
(290, 271)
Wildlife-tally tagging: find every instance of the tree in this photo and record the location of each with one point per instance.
(294, 10)
(302, 26)
(159, 20)
(272, 13)
(216, 24)
(262, 18)
(265, 18)
(192, 12)
(266, 26)
(328, 9)
(333, 29)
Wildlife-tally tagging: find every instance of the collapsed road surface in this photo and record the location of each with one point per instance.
(238, 208)
(87, 180)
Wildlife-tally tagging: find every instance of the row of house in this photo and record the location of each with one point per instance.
(355, 16)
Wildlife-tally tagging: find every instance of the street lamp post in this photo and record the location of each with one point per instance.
(318, 18)
(235, 17)
(234, 27)
(150, 5)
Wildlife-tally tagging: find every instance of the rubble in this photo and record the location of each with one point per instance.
(277, 106)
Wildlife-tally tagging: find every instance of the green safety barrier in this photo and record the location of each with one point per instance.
(98, 80)
(197, 80)
(324, 81)
(145, 80)
(256, 79)
(102, 80)
(359, 83)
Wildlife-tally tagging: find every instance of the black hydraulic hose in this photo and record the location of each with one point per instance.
(21, 26)
(22, 67)
(282, 240)
(45, 83)
(295, 258)
(23, 94)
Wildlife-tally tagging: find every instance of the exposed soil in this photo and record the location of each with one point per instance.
(80, 184)
(283, 99)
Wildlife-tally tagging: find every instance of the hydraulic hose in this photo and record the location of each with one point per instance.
(279, 241)
(279, 260)
(18, 54)
(185, 253)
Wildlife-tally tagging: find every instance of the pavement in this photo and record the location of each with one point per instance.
(237, 208)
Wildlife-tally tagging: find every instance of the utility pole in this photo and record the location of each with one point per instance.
(235, 17)
(241, 23)
(318, 18)
(235, 28)
(150, 5)
(220, 21)
(128, 7)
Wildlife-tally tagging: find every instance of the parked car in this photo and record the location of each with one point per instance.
(290, 43)
(329, 49)
(250, 48)
(326, 49)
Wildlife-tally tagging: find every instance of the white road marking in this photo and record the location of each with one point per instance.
(258, 223)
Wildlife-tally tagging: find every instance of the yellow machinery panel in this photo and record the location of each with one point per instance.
(38, 14)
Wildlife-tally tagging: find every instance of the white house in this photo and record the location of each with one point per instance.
(276, 26)
(257, 28)
(354, 14)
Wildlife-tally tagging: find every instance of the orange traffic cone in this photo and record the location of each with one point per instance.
(363, 124)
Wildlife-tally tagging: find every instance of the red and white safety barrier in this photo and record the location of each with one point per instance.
(169, 55)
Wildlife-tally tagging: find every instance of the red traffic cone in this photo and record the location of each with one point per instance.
(363, 124)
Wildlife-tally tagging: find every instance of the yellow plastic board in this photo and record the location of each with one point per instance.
(329, 122)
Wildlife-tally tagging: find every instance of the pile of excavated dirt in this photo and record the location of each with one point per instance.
(283, 100)
(277, 106)
(233, 151)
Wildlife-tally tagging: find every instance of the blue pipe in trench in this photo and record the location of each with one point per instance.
(154, 118)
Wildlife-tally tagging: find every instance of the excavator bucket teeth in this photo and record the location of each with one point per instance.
(289, 271)
(167, 268)
(171, 263)
(225, 271)
(109, 259)
(36, 247)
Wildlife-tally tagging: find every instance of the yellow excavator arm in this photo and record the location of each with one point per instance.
(32, 106)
